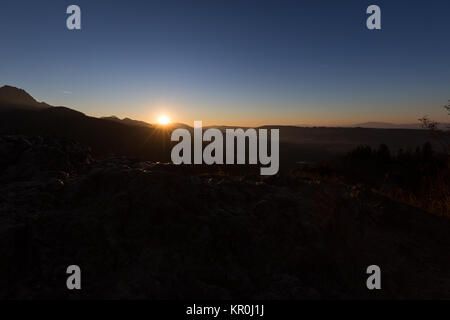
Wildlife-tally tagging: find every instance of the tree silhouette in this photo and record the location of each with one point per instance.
(440, 137)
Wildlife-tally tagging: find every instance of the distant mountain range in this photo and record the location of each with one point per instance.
(387, 125)
(12, 97)
(20, 113)
(128, 121)
(138, 123)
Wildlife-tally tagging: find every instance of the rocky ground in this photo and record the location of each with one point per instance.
(147, 230)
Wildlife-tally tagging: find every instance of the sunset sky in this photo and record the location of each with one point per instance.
(232, 62)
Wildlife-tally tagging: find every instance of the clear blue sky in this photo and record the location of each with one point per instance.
(232, 62)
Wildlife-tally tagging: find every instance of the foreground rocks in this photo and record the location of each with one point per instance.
(148, 230)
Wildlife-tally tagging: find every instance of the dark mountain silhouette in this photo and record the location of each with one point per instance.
(128, 121)
(11, 97)
(22, 114)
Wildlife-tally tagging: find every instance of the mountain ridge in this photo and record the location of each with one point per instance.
(132, 138)
(389, 125)
(18, 98)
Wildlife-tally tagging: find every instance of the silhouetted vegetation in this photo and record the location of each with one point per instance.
(420, 177)
(438, 135)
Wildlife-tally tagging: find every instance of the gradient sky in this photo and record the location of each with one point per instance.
(232, 62)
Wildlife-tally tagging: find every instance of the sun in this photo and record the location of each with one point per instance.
(163, 120)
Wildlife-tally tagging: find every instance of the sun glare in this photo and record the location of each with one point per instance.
(163, 120)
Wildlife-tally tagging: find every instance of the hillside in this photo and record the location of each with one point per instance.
(145, 230)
